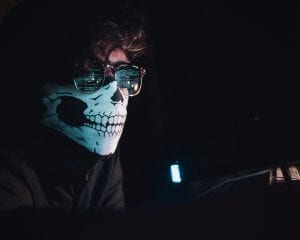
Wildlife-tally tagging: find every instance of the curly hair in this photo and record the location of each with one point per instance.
(65, 32)
(121, 24)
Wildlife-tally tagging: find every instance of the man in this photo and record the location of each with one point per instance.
(69, 70)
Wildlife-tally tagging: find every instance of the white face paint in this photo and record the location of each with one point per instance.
(95, 120)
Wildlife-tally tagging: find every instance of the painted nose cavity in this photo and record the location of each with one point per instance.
(117, 97)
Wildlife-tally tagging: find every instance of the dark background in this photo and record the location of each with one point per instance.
(220, 95)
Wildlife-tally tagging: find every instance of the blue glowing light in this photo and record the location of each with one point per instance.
(175, 173)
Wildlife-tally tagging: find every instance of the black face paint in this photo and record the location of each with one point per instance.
(70, 111)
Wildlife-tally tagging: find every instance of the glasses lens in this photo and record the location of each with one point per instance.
(129, 77)
(91, 81)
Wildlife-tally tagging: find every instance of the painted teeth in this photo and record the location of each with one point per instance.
(111, 125)
(104, 120)
(98, 119)
(111, 129)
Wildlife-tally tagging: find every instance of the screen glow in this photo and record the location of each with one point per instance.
(175, 173)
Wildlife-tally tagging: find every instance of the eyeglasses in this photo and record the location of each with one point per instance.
(127, 76)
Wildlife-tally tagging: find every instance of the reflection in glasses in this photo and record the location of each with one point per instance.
(127, 76)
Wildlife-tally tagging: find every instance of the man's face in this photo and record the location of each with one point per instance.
(93, 120)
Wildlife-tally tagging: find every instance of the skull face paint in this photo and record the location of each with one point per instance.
(94, 121)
